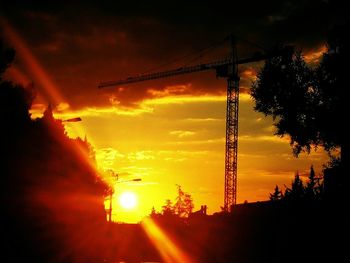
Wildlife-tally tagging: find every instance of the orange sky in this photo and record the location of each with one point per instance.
(180, 140)
(168, 132)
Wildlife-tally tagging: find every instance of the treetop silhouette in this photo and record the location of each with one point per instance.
(306, 102)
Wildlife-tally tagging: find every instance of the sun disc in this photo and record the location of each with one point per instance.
(128, 200)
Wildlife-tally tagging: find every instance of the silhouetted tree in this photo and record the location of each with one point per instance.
(282, 91)
(184, 203)
(168, 208)
(307, 103)
(153, 213)
(297, 191)
(276, 195)
(331, 80)
(311, 189)
(183, 206)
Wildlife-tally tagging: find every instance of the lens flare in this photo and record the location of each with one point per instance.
(169, 251)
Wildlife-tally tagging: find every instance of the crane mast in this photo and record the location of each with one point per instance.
(225, 68)
(231, 149)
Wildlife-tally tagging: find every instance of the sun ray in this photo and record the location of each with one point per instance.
(32, 64)
(49, 89)
(169, 251)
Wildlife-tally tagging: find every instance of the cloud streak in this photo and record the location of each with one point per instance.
(111, 41)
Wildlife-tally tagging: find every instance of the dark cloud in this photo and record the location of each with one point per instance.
(81, 44)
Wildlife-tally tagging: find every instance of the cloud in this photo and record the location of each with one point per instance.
(109, 41)
(136, 171)
(182, 134)
(62, 106)
(100, 111)
(106, 157)
(182, 153)
(198, 142)
(314, 56)
(248, 73)
(202, 119)
(264, 138)
(145, 107)
(170, 91)
(252, 156)
(141, 155)
(185, 99)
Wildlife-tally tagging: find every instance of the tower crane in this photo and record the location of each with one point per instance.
(225, 68)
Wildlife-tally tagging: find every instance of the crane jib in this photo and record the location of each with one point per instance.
(226, 68)
(218, 65)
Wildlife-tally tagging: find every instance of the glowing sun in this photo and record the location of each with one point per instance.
(128, 200)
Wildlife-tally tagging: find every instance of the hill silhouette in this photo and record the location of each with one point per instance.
(51, 196)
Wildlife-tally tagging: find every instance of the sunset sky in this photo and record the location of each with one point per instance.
(171, 131)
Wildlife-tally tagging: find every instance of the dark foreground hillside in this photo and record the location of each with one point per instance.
(257, 232)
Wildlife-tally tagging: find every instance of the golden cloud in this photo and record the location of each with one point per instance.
(182, 134)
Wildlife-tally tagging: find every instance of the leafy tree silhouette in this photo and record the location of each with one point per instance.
(311, 189)
(182, 208)
(297, 191)
(184, 203)
(306, 102)
(168, 208)
(282, 91)
(276, 195)
(153, 213)
(331, 79)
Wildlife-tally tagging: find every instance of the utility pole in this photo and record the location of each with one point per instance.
(110, 207)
